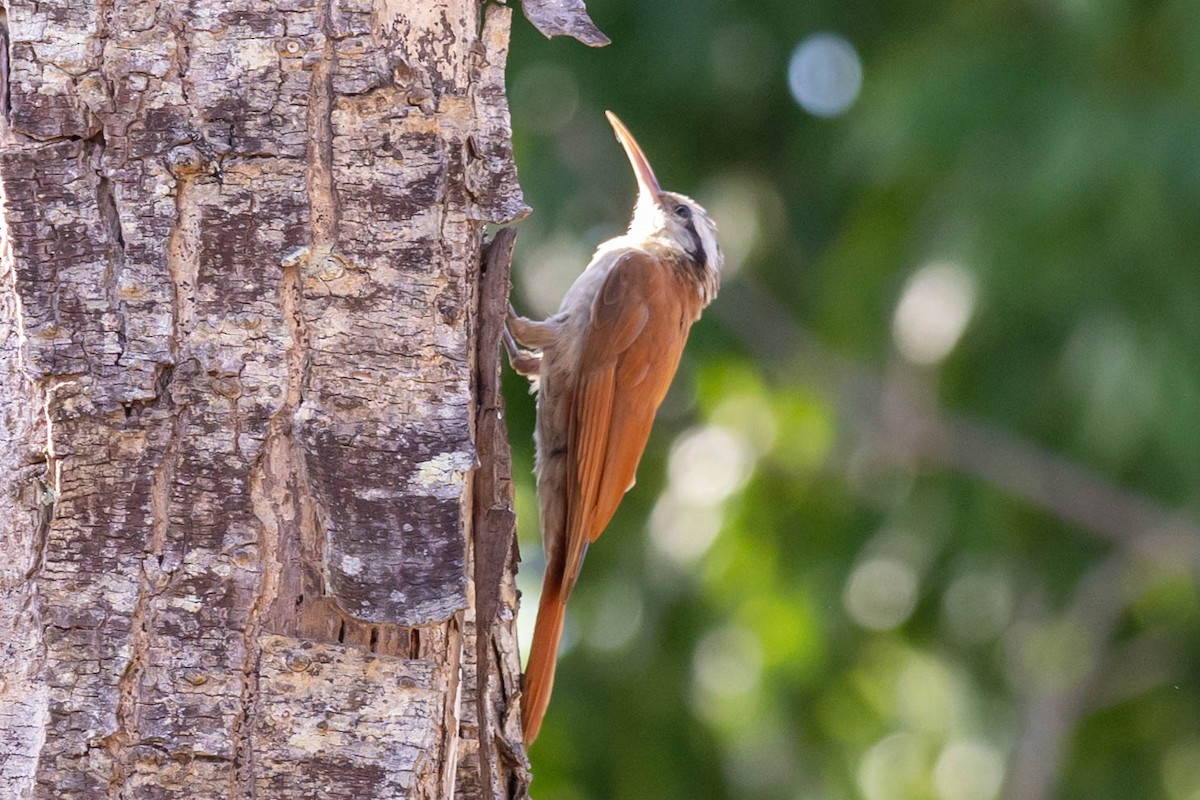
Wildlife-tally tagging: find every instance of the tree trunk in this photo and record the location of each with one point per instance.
(245, 361)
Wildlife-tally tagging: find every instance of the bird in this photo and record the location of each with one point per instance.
(600, 367)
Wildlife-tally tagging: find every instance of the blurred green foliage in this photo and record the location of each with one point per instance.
(790, 604)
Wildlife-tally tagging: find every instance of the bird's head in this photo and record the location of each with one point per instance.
(677, 220)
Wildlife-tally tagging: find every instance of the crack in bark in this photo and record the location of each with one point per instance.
(322, 193)
(449, 751)
(50, 479)
(5, 67)
(182, 56)
(106, 199)
(291, 292)
(153, 581)
(272, 485)
(47, 505)
(183, 262)
(110, 217)
(182, 257)
(276, 482)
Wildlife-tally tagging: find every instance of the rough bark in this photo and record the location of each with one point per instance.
(239, 298)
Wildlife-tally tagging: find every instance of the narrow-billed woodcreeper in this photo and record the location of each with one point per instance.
(602, 366)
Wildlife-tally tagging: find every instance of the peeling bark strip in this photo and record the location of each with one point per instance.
(564, 18)
(238, 255)
(494, 549)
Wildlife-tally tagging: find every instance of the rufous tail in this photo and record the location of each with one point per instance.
(543, 655)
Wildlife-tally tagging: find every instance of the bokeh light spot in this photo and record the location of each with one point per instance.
(968, 771)
(894, 768)
(683, 532)
(933, 312)
(881, 593)
(549, 270)
(1110, 369)
(728, 662)
(545, 96)
(807, 431)
(750, 415)
(825, 74)
(1181, 770)
(977, 607)
(1054, 655)
(747, 208)
(761, 760)
(708, 464)
(618, 615)
(928, 695)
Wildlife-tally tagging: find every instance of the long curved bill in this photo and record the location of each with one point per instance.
(647, 184)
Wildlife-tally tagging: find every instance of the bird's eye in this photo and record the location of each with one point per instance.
(683, 211)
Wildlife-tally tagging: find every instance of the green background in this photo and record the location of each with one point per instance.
(846, 572)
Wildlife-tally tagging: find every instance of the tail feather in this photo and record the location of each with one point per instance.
(543, 656)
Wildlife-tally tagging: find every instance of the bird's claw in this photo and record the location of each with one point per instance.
(525, 362)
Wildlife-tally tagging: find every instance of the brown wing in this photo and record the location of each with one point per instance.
(638, 329)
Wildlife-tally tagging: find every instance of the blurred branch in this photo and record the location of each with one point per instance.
(1049, 481)
(917, 428)
(1149, 661)
(909, 425)
(1051, 705)
(1115, 674)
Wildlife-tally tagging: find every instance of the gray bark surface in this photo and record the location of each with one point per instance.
(239, 327)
